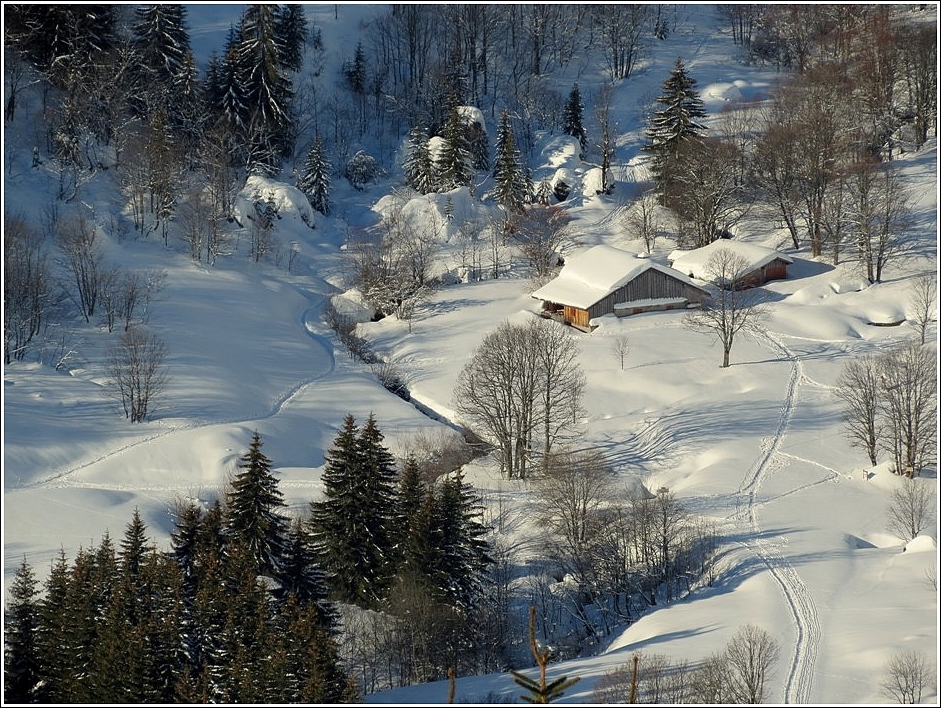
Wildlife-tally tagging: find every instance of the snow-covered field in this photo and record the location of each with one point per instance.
(758, 448)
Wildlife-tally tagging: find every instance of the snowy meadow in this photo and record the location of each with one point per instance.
(758, 449)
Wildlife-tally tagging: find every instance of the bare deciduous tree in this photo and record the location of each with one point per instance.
(924, 293)
(619, 348)
(880, 215)
(909, 382)
(908, 675)
(137, 373)
(573, 487)
(518, 384)
(542, 235)
(911, 509)
(642, 219)
(858, 388)
(750, 656)
(84, 262)
(27, 287)
(704, 187)
(730, 308)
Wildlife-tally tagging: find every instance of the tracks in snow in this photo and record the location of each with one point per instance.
(804, 613)
(60, 478)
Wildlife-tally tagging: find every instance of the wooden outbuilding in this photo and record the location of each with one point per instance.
(605, 280)
(762, 263)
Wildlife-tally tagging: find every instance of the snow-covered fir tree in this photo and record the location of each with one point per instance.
(678, 120)
(573, 120)
(512, 184)
(268, 94)
(419, 167)
(21, 660)
(253, 511)
(350, 526)
(290, 27)
(544, 192)
(163, 57)
(453, 165)
(314, 180)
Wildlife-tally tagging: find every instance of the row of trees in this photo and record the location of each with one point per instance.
(739, 674)
(236, 611)
(623, 550)
(804, 155)
(246, 606)
(890, 405)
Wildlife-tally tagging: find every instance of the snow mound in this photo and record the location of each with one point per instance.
(847, 286)
(884, 314)
(722, 91)
(288, 202)
(561, 151)
(920, 544)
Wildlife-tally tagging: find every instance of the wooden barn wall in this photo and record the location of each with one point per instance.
(649, 284)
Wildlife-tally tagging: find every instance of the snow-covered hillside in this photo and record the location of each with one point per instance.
(758, 448)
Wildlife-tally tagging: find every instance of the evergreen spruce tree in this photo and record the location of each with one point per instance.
(464, 553)
(351, 525)
(290, 27)
(314, 180)
(57, 640)
(453, 165)
(675, 123)
(512, 184)
(544, 193)
(408, 499)
(161, 45)
(268, 94)
(253, 518)
(21, 654)
(419, 167)
(572, 119)
(334, 523)
(378, 483)
(301, 580)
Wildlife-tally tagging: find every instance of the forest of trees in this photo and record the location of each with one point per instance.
(392, 577)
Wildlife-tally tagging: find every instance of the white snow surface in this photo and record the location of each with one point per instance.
(757, 449)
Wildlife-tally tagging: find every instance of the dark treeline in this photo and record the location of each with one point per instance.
(245, 607)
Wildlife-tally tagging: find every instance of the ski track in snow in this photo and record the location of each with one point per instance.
(61, 479)
(800, 673)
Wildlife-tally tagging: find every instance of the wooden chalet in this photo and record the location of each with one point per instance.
(604, 280)
(763, 264)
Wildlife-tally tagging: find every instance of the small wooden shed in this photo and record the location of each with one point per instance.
(606, 280)
(763, 264)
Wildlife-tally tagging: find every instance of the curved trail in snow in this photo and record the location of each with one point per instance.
(307, 319)
(803, 610)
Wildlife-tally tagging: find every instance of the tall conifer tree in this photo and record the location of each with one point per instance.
(21, 658)
(253, 517)
(314, 180)
(419, 167)
(572, 118)
(676, 122)
(512, 184)
(453, 165)
(351, 525)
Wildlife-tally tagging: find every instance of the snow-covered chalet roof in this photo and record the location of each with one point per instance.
(693, 263)
(596, 273)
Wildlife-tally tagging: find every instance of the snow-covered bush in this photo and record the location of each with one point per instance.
(361, 169)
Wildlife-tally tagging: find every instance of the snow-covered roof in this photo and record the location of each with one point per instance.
(693, 263)
(596, 273)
